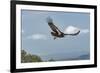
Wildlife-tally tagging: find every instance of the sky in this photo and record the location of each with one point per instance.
(37, 38)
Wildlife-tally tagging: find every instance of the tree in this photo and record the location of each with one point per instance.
(51, 59)
(25, 58)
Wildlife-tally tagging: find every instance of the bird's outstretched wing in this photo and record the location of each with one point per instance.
(52, 26)
(73, 34)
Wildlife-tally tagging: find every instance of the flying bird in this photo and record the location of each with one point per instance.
(58, 33)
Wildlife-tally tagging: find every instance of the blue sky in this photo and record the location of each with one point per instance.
(36, 37)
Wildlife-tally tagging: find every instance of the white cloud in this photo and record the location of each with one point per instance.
(38, 37)
(84, 30)
(68, 30)
(71, 30)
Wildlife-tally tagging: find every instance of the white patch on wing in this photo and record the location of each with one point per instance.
(59, 33)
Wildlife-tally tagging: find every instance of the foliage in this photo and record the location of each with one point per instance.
(25, 57)
(51, 59)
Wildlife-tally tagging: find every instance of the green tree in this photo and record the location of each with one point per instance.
(25, 58)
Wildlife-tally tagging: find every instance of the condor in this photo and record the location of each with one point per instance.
(56, 32)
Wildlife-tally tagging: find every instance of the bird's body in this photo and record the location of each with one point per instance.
(56, 32)
(57, 35)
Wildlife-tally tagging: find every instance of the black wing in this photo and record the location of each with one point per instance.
(52, 26)
(74, 33)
